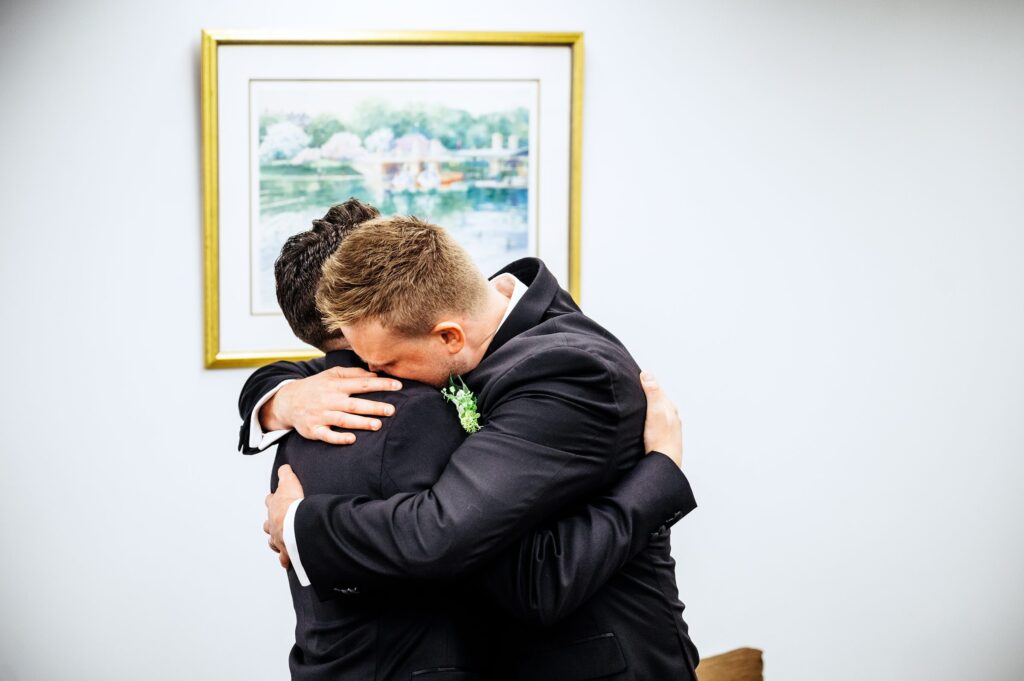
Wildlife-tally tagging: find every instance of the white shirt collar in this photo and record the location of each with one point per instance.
(517, 293)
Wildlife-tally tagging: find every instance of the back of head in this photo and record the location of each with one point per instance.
(297, 270)
(401, 271)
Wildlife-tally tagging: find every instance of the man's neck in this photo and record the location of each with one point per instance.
(505, 284)
(499, 296)
(336, 344)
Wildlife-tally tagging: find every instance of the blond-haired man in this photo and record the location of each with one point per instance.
(562, 414)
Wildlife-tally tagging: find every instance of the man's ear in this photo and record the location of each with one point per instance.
(451, 334)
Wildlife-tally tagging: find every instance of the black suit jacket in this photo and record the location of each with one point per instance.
(396, 630)
(563, 416)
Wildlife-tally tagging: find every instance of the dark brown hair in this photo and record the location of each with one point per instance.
(297, 270)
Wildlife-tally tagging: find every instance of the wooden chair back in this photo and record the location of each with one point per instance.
(742, 664)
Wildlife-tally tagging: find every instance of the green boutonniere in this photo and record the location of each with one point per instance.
(465, 403)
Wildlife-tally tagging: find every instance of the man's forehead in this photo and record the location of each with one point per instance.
(373, 343)
(374, 358)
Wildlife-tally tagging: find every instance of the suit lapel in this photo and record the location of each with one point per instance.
(532, 308)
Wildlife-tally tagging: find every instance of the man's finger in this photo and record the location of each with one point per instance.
(272, 547)
(368, 407)
(348, 421)
(648, 381)
(350, 372)
(266, 501)
(325, 434)
(285, 561)
(266, 526)
(371, 384)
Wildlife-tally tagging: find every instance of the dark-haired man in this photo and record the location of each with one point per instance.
(387, 629)
(297, 270)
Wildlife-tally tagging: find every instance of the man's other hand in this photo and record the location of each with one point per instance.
(312, 405)
(663, 429)
(288, 490)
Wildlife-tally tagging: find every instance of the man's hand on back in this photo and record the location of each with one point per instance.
(288, 490)
(312, 405)
(663, 429)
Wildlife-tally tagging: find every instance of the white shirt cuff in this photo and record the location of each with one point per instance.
(257, 438)
(291, 546)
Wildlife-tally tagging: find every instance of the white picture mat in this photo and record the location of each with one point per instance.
(239, 64)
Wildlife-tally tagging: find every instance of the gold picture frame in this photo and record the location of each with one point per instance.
(213, 40)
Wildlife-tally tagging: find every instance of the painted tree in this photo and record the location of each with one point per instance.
(283, 141)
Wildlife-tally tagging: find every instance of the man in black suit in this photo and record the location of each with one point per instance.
(563, 419)
(387, 629)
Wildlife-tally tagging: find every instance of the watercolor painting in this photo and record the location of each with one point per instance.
(454, 152)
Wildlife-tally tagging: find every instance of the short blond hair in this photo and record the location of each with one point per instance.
(401, 271)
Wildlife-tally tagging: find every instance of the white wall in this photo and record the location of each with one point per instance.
(805, 216)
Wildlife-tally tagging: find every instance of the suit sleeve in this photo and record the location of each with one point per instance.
(262, 381)
(554, 569)
(548, 442)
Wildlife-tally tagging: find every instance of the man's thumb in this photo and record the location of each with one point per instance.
(648, 380)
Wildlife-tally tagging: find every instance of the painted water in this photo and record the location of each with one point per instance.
(490, 222)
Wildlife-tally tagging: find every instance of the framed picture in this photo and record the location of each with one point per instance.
(477, 132)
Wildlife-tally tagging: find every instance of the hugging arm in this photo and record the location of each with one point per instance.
(261, 384)
(326, 401)
(544, 574)
(545, 447)
(555, 568)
